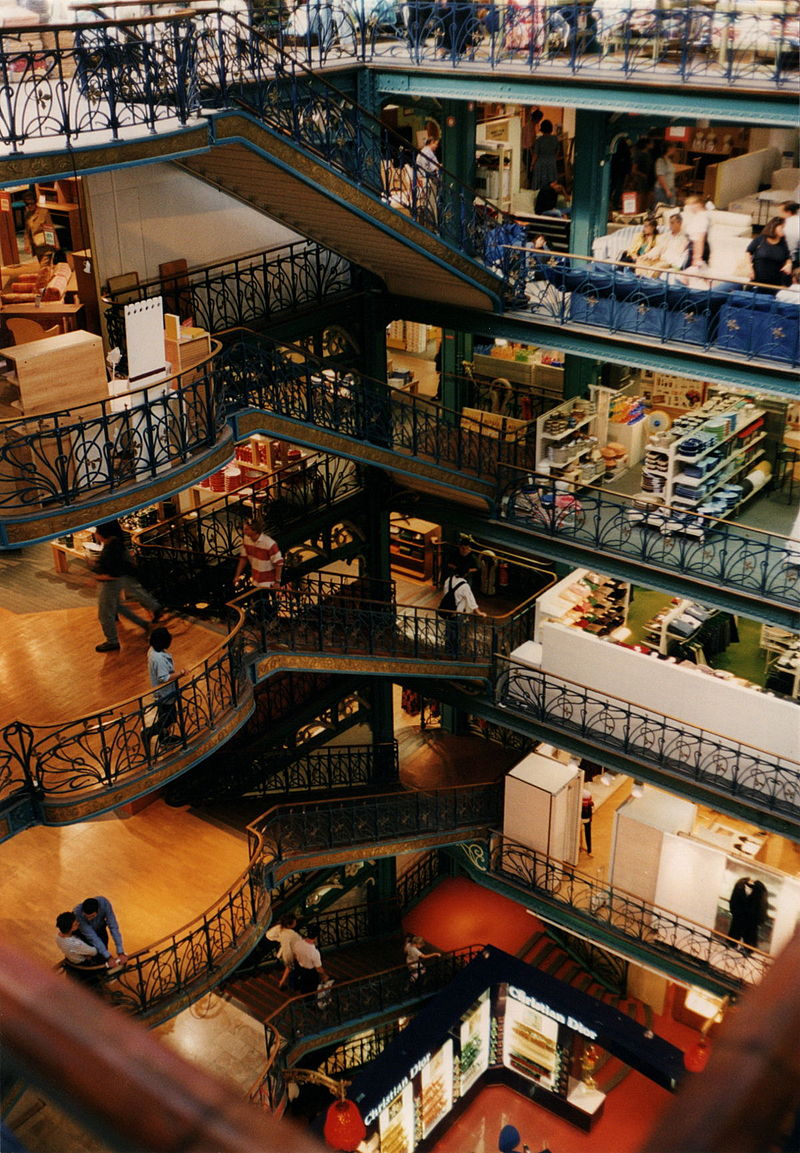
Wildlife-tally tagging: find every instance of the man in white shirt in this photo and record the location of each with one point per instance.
(790, 211)
(670, 251)
(74, 948)
(695, 224)
(465, 605)
(308, 962)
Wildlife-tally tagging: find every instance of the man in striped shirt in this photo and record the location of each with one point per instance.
(262, 554)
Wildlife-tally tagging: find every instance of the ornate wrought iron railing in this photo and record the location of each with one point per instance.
(191, 557)
(414, 883)
(62, 459)
(633, 919)
(345, 617)
(247, 290)
(705, 549)
(734, 318)
(329, 769)
(354, 1000)
(114, 79)
(275, 86)
(763, 780)
(737, 46)
(185, 964)
(293, 384)
(83, 763)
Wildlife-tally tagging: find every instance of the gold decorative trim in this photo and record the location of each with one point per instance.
(56, 522)
(32, 168)
(329, 441)
(98, 802)
(379, 665)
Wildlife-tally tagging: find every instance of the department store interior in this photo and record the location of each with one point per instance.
(578, 799)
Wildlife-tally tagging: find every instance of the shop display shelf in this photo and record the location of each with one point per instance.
(754, 416)
(556, 436)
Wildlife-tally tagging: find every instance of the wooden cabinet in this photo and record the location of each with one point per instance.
(59, 372)
(193, 347)
(412, 545)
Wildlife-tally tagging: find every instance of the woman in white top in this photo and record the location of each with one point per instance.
(415, 956)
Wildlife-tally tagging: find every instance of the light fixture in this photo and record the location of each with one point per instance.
(344, 1127)
(638, 789)
(606, 779)
(696, 1056)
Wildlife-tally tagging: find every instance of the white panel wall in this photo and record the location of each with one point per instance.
(719, 706)
(145, 216)
(690, 879)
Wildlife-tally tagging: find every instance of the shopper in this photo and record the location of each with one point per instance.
(71, 944)
(790, 294)
(769, 255)
(458, 600)
(115, 573)
(414, 957)
(40, 232)
(287, 937)
(96, 919)
(545, 156)
(164, 682)
(643, 243)
(695, 224)
(308, 961)
(671, 251)
(789, 211)
(261, 553)
(587, 809)
(664, 185)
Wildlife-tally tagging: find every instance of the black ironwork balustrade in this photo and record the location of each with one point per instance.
(734, 318)
(241, 67)
(689, 42)
(263, 375)
(64, 458)
(632, 918)
(245, 291)
(763, 780)
(191, 557)
(328, 769)
(311, 619)
(110, 79)
(413, 883)
(705, 548)
(85, 760)
(354, 1000)
(186, 963)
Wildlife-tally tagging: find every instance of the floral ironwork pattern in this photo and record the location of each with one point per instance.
(629, 917)
(767, 782)
(759, 564)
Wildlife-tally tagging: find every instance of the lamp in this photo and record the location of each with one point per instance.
(344, 1128)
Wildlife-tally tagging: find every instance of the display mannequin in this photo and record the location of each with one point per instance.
(748, 904)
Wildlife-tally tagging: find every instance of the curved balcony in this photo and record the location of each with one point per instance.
(761, 568)
(249, 290)
(99, 761)
(288, 839)
(686, 311)
(68, 469)
(739, 46)
(158, 981)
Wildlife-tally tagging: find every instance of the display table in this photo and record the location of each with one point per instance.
(68, 317)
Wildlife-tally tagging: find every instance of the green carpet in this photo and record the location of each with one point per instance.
(744, 658)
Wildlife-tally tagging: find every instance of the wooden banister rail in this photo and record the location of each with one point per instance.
(117, 1079)
(750, 1089)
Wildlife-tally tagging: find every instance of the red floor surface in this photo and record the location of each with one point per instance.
(630, 1113)
(459, 913)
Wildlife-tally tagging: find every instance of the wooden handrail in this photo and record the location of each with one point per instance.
(120, 1080)
(751, 1085)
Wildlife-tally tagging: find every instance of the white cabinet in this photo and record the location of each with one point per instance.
(542, 806)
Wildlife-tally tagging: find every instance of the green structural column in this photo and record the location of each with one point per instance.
(379, 568)
(458, 119)
(456, 348)
(579, 373)
(373, 332)
(590, 180)
(384, 913)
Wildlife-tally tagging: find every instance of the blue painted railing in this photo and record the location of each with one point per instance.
(738, 320)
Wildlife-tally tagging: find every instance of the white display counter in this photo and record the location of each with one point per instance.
(542, 806)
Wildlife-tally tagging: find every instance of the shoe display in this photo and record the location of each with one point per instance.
(106, 647)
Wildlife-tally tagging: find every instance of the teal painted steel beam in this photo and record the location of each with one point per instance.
(681, 100)
(613, 347)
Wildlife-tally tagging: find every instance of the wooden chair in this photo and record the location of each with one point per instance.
(124, 287)
(24, 331)
(175, 287)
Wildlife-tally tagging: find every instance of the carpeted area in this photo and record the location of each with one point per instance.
(459, 913)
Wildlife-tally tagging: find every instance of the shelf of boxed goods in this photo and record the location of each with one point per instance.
(560, 441)
(673, 513)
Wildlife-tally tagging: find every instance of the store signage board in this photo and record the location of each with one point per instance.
(475, 1037)
(396, 1123)
(561, 1018)
(530, 1041)
(398, 1088)
(437, 1088)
